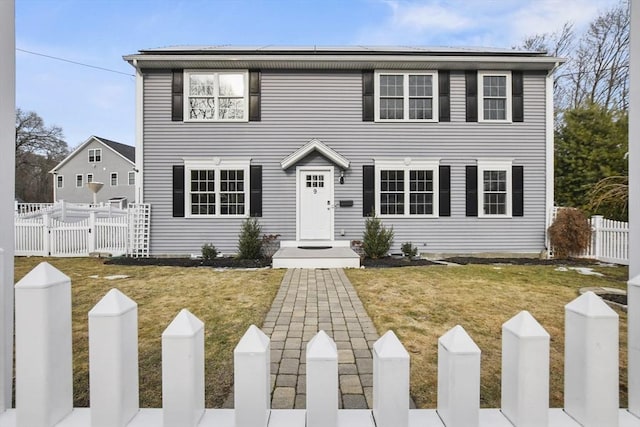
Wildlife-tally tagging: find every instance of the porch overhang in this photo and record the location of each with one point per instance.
(320, 147)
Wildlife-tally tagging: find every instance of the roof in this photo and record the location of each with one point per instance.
(341, 57)
(127, 152)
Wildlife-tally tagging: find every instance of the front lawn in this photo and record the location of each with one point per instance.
(420, 304)
(227, 302)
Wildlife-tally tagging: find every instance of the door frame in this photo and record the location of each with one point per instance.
(299, 171)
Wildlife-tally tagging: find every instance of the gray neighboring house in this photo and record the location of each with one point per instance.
(100, 160)
(453, 147)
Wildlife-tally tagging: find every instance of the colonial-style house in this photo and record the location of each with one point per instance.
(96, 160)
(452, 147)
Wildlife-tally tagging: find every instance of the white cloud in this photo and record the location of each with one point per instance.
(495, 23)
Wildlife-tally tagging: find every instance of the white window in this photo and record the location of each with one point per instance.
(220, 95)
(409, 96)
(216, 188)
(89, 177)
(132, 178)
(407, 188)
(114, 179)
(60, 181)
(494, 96)
(79, 181)
(95, 155)
(494, 187)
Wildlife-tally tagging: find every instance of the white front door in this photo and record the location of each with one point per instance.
(315, 204)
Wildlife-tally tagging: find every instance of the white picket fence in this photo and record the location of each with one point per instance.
(69, 230)
(609, 239)
(44, 392)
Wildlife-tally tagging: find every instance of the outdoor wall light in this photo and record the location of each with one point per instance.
(341, 177)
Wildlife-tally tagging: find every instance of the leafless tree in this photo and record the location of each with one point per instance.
(39, 148)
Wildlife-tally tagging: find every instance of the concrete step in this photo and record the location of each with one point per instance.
(310, 257)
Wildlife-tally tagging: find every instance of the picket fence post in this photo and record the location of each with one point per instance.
(633, 326)
(390, 382)
(91, 244)
(46, 234)
(252, 379)
(113, 360)
(525, 371)
(597, 235)
(458, 379)
(183, 371)
(44, 376)
(591, 362)
(322, 381)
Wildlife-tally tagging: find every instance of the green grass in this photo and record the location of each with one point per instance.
(227, 302)
(420, 304)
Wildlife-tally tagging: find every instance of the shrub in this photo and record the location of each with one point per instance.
(570, 233)
(409, 250)
(270, 245)
(377, 239)
(209, 251)
(249, 241)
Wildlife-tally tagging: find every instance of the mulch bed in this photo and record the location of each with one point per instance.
(395, 262)
(191, 262)
(619, 298)
(521, 261)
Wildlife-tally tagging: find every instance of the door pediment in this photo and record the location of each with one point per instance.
(318, 146)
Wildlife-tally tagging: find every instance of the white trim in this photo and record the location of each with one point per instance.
(89, 180)
(488, 164)
(97, 154)
(129, 175)
(139, 165)
(549, 157)
(216, 164)
(509, 100)
(111, 179)
(434, 95)
(408, 164)
(81, 180)
(216, 95)
(320, 147)
(299, 171)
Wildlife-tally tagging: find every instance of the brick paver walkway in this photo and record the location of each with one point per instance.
(309, 301)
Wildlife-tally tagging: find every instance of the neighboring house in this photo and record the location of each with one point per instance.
(453, 148)
(100, 160)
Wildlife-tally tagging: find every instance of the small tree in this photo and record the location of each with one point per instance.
(570, 233)
(249, 240)
(409, 250)
(377, 239)
(209, 251)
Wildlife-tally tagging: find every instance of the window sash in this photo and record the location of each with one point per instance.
(205, 100)
(114, 179)
(59, 181)
(95, 155)
(89, 177)
(131, 178)
(217, 191)
(79, 181)
(494, 188)
(407, 191)
(406, 96)
(494, 96)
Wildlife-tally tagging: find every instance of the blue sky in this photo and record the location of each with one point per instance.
(86, 101)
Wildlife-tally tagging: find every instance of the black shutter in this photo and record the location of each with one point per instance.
(517, 191)
(471, 79)
(178, 191)
(255, 186)
(368, 189)
(517, 100)
(177, 94)
(444, 198)
(254, 96)
(367, 96)
(472, 190)
(444, 91)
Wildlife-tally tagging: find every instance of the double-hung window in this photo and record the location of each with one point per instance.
(494, 187)
(407, 188)
(216, 188)
(89, 177)
(405, 96)
(114, 179)
(95, 155)
(494, 90)
(59, 181)
(79, 181)
(132, 178)
(216, 95)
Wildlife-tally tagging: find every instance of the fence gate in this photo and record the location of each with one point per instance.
(69, 239)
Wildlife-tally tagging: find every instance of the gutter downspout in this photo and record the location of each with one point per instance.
(549, 154)
(139, 174)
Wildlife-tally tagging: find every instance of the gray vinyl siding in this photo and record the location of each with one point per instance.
(300, 106)
(79, 165)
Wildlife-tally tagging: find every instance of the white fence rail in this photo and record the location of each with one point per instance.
(609, 239)
(44, 395)
(66, 230)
